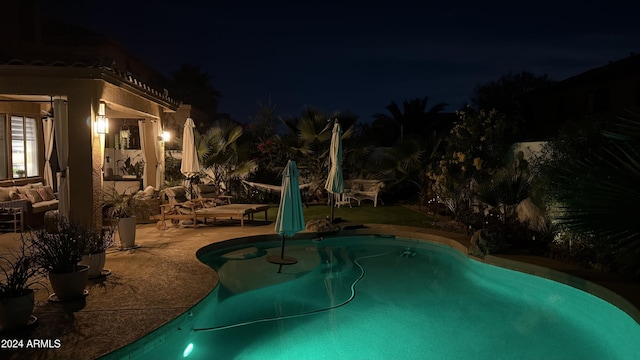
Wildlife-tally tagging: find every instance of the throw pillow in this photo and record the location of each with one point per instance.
(5, 193)
(44, 195)
(208, 191)
(49, 191)
(149, 191)
(15, 195)
(33, 196)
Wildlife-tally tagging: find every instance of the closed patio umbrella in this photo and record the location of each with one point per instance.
(335, 182)
(290, 218)
(190, 166)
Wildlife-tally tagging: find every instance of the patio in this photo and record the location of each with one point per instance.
(151, 285)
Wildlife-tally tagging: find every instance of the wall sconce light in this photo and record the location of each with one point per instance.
(166, 136)
(102, 122)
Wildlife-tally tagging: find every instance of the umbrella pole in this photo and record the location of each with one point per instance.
(333, 205)
(191, 179)
(281, 255)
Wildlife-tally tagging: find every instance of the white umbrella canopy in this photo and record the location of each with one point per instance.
(190, 165)
(290, 218)
(335, 182)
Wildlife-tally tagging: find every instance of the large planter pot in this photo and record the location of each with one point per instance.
(95, 263)
(15, 312)
(127, 232)
(69, 286)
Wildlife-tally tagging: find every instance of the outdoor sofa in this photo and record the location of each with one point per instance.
(34, 199)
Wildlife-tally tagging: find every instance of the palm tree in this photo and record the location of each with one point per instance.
(505, 191)
(599, 195)
(221, 150)
(414, 116)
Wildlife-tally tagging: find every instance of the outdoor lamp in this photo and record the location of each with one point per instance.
(166, 136)
(102, 122)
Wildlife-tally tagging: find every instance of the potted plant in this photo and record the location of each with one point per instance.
(131, 169)
(97, 244)
(122, 208)
(19, 274)
(58, 253)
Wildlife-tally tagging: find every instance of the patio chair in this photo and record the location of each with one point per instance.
(362, 189)
(210, 195)
(179, 207)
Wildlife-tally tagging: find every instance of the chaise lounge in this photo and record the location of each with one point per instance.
(180, 207)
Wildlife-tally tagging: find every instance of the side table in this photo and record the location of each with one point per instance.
(11, 220)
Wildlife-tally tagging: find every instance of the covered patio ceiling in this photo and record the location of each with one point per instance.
(114, 111)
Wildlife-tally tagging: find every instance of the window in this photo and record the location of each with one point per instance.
(23, 145)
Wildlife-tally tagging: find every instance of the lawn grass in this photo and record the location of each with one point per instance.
(366, 214)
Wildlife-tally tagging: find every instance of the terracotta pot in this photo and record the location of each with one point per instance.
(95, 263)
(15, 311)
(69, 286)
(127, 232)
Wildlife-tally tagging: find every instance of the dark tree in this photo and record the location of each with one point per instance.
(193, 87)
(507, 95)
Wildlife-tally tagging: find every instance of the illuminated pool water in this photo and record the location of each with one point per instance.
(379, 298)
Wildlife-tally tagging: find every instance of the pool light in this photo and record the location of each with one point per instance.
(187, 350)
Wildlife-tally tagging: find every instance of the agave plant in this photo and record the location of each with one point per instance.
(599, 195)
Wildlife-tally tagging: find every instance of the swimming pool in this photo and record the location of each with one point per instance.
(370, 297)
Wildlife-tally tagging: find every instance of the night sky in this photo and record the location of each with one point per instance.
(359, 58)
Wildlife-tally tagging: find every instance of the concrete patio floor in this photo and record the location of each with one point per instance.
(153, 284)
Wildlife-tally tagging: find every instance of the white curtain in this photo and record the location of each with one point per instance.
(159, 149)
(48, 130)
(62, 145)
(143, 146)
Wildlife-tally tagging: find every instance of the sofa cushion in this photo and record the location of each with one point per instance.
(5, 193)
(23, 189)
(148, 193)
(49, 190)
(33, 196)
(177, 193)
(208, 191)
(16, 195)
(45, 194)
(43, 206)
